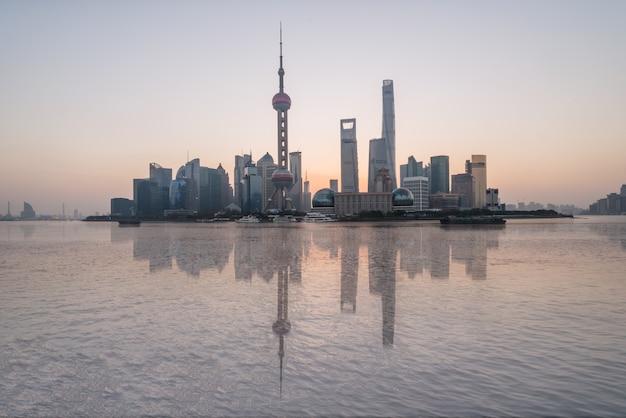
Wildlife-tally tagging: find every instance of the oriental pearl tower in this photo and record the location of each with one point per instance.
(282, 179)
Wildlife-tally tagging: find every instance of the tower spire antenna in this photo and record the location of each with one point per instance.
(281, 71)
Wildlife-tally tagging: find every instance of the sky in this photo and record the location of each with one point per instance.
(92, 92)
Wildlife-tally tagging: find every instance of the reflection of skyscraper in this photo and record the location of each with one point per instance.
(287, 256)
(349, 157)
(475, 256)
(282, 326)
(190, 257)
(349, 269)
(439, 255)
(382, 277)
(389, 128)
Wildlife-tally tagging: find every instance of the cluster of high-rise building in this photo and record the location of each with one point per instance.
(612, 204)
(268, 185)
(194, 190)
(263, 186)
(429, 185)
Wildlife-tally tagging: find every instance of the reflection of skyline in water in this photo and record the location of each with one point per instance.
(381, 256)
(161, 246)
(419, 251)
(79, 303)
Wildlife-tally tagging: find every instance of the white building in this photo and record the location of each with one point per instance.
(419, 187)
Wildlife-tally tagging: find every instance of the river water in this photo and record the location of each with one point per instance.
(357, 319)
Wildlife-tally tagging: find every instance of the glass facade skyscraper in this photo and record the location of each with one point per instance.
(383, 150)
(477, 167)
(389, 129)
(439, 174)
(377, 161)
(412, 168)
(349, 157)
(295, 166)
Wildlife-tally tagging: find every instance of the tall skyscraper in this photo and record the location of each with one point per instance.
(265, 168)
(226, 194)
(295, 165)
(252, 194)
(240, 163)
(349, 158)
(477, 167)
(163, 178)
(412, 168)
(377, 160)
(192, 171)
(389, 128)
(383, 150)
(463, 185)
(306, 197)
(439, 174)
(282, 177)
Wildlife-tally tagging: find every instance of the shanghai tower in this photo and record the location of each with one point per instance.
(389, 129)
(383, 150)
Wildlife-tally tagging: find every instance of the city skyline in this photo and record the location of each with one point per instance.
(92, 94)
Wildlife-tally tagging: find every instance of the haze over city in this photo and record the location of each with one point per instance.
(91, 93)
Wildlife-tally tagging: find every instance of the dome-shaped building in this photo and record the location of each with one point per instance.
(402, 197)
(324, 198)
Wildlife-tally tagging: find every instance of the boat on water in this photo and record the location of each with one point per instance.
(129, 222)
(472, 220)
(314, 217)
(249, 219)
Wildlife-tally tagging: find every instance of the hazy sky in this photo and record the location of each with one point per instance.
(91, 92)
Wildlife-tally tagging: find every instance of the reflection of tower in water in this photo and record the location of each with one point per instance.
(286, 257)
(382, 276)
(282, 326)
(349, 270)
